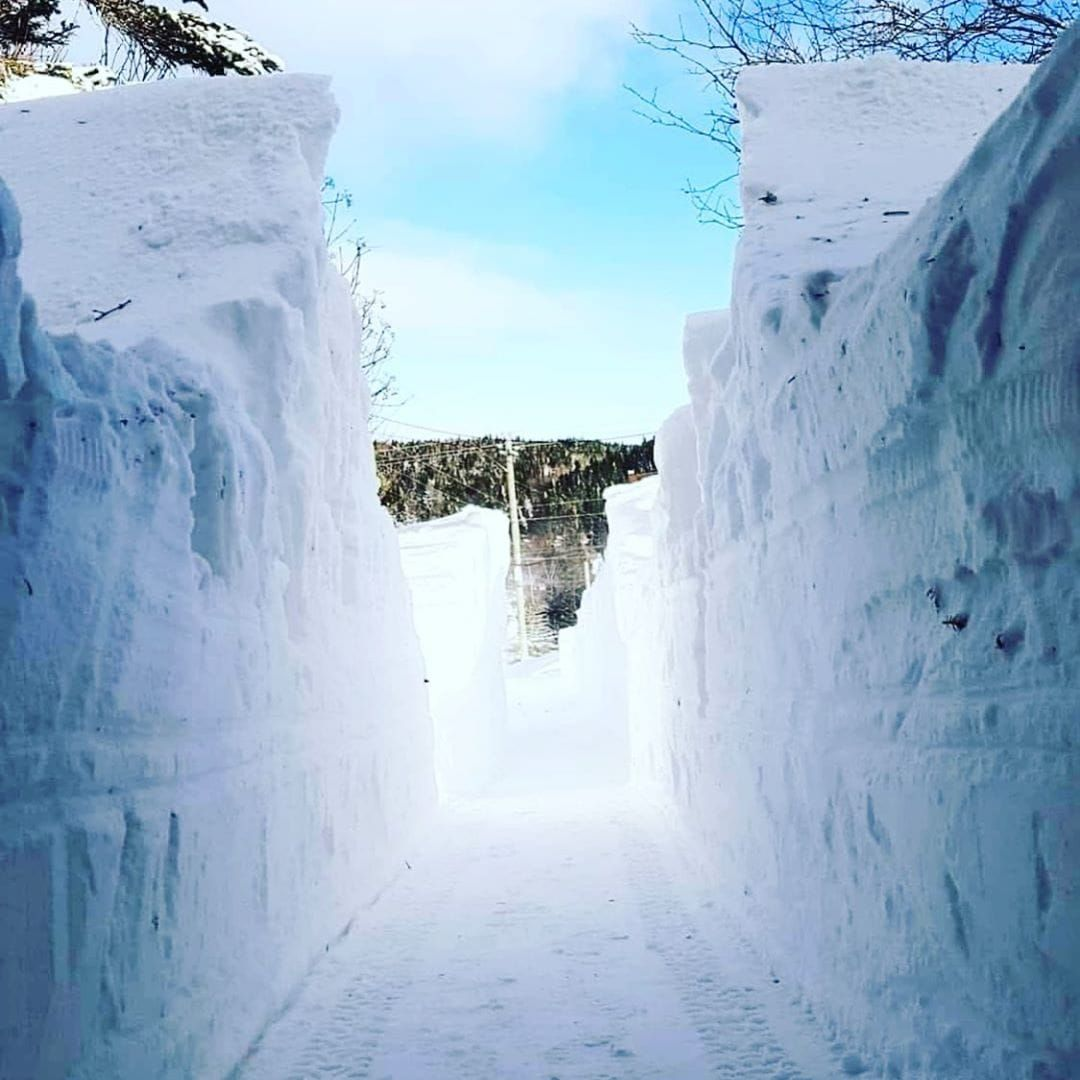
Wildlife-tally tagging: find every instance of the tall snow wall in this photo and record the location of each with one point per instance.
(456, 570)
(213, 728)
(608, 659)
(868, 614)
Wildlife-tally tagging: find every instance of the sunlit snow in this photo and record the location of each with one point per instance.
(798, 795)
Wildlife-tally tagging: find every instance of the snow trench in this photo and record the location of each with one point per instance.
(865, 589)
(456, 569)
(214, 733)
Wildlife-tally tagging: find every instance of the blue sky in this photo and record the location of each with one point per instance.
(531, 242)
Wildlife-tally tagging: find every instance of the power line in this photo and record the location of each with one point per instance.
(558, 505)
(565, 517)
(434, 471)
(422, 427)
(537, 559)
(525, 442)
(586, 439)
(632, 435)
(432, 445)
(393, 458)
(415, 481)
(461, 483)
(515, 551)
(487, 498)
(424, 497)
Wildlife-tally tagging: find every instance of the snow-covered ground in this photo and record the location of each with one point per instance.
(551, 927)
(213, 727)
(866, 608)
(456, 571)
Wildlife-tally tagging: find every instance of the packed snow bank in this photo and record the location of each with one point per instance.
(606, 659)
(874, 139)
(868, 635)
(456, 569)
(213, 726)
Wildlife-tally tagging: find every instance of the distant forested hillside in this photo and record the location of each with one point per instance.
(560, 487)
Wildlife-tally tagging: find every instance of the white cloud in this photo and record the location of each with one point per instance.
(489, 339)
(464, 291)
(489, 336)
(423, 69)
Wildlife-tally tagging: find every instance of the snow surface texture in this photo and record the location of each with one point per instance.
(456, 569)
(549, 928)
(867, 605)
(213, 727)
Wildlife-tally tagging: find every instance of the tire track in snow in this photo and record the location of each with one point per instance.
(335, 1024)
(727, 1014)
(550, 941)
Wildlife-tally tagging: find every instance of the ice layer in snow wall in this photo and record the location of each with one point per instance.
(456, 569)
(213, 725)
(867, 579)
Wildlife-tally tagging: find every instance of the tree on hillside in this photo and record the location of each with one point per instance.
(724, 36)
(140, 40)
(560, 486)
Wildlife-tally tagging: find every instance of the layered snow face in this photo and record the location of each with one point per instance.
(456, 569)
(868, 639)
(213, 726)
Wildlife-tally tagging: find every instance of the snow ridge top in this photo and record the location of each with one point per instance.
(168, 233)
(836, 157)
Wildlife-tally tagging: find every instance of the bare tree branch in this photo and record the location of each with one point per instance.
(376, 336)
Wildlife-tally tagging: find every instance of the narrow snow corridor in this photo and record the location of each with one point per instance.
(552, 929)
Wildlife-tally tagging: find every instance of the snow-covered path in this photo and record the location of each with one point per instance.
(540, 935)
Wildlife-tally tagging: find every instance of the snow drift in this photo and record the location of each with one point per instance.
(213, 727)
(868, 611)
(456, 569)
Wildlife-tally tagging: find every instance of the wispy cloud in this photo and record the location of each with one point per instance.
(488, 338)
(466, 291)
(419, 70)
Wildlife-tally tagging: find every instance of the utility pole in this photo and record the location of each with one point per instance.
(515, 551)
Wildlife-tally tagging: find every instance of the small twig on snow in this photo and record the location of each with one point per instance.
(99, 314)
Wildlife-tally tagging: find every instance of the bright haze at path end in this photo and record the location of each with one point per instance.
(531, 239)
